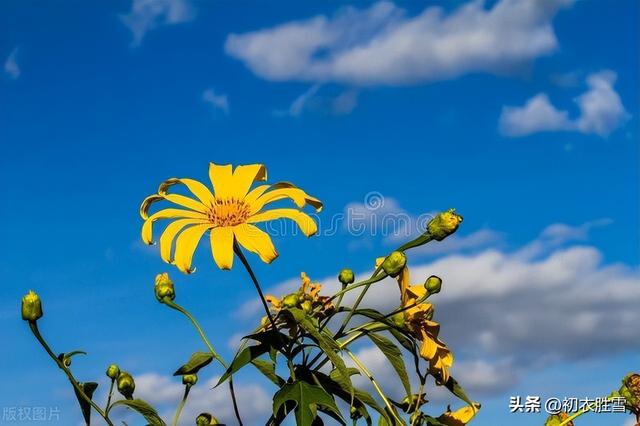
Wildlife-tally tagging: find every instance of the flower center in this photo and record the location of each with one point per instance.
(228, 212)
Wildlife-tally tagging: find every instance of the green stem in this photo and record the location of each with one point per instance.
(586, 409)
(181, 405)
(170, 303)
(367, 373)
(110, 395)
(34, 329)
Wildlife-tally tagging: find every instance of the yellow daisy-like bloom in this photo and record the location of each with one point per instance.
(418, 320)
(459, 417)
(229, 214)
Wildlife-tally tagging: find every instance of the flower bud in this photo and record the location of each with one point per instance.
(126, 384)
(398, 319)
(346, 276)
(394, 263)
(206, 419)
(189, 379)
(557, 419)
(31, 307)
(630, 391)
(433, 284)
(164, 287)
(354, 413)
(291, 300)
(444, 224)
(307, 306)
(113, 371)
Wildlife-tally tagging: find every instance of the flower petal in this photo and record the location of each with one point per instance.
(186, 245)
(197, 188)
(245, 176)
(187, 202)
(256, 241)
(297, 195)
(304, 221)
(222, 246)
(221, 177)
(169, 234)
(147, 226)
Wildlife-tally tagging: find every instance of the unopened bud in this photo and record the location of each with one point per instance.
(189, 379)
(394, 263)
(433, 284)
(291, 300)
(164, 287)
(398, 319)
(630, 391)
(126, 384)
(206, 419)
(346, 277)
(113, 371)
(307, 306)
(444, 224)
(31, 307)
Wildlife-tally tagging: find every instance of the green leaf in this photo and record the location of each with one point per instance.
(394, 356)
(455, 388)
(307, 398)
(88, 388)
(195, 363)
(144, 409)
(243, 358)
(269, 370)
(327, 344)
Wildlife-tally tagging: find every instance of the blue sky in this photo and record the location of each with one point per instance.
(524, 118)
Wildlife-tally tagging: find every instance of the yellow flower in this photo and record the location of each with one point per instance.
(228, 214)
(459, 417)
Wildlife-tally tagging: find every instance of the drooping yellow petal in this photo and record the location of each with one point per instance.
(222, 246)
(459, 417)
(187, 202)
(147, 226)
(256, 241)
(146, 204)
(297, 195)
(245, 176)
(304, 221)
(221, 177)
(186, 244)
(197, 188)
(169, 234)
(429, 348)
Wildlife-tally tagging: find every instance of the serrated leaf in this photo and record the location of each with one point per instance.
(326, 343)
(143, 408)
(307, 398)
(394, 356)
(268, 369)
(244, 357)
(88, 388)
(195, 363)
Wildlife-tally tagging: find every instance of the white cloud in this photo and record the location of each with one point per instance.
(384, 45)
(310, 100)
(601, 111)
(218, 101)
(11, 67)
(508, 313)
(146, 15)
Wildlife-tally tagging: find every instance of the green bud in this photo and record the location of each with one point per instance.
(113, 371)
(206, 419)
(164, 287)
(444, 224)
(398, 319)
(354, 413)
(291, 300)
(557, 419)
(31, 307)
(346, 276)
(189, 379)
(630, 390)
(307, 306)
(433, 284)
(394, 263)
(126, 384)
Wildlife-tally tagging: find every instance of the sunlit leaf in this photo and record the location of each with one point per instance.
(195, 363)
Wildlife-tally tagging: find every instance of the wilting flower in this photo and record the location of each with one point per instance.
(31, 306)
(229, 214)
(306, 298)
(418, 319)
(459, 417)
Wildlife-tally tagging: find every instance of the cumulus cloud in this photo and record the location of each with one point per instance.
(385, 45)
(11, 67)
(165, 392)
(601, 111)
(507, 313)
(146, 15)
(217, 101)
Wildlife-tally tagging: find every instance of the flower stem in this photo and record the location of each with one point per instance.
(367, 373)
(110, 395)
(176, 417)
(34, 329)
(203, 336)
